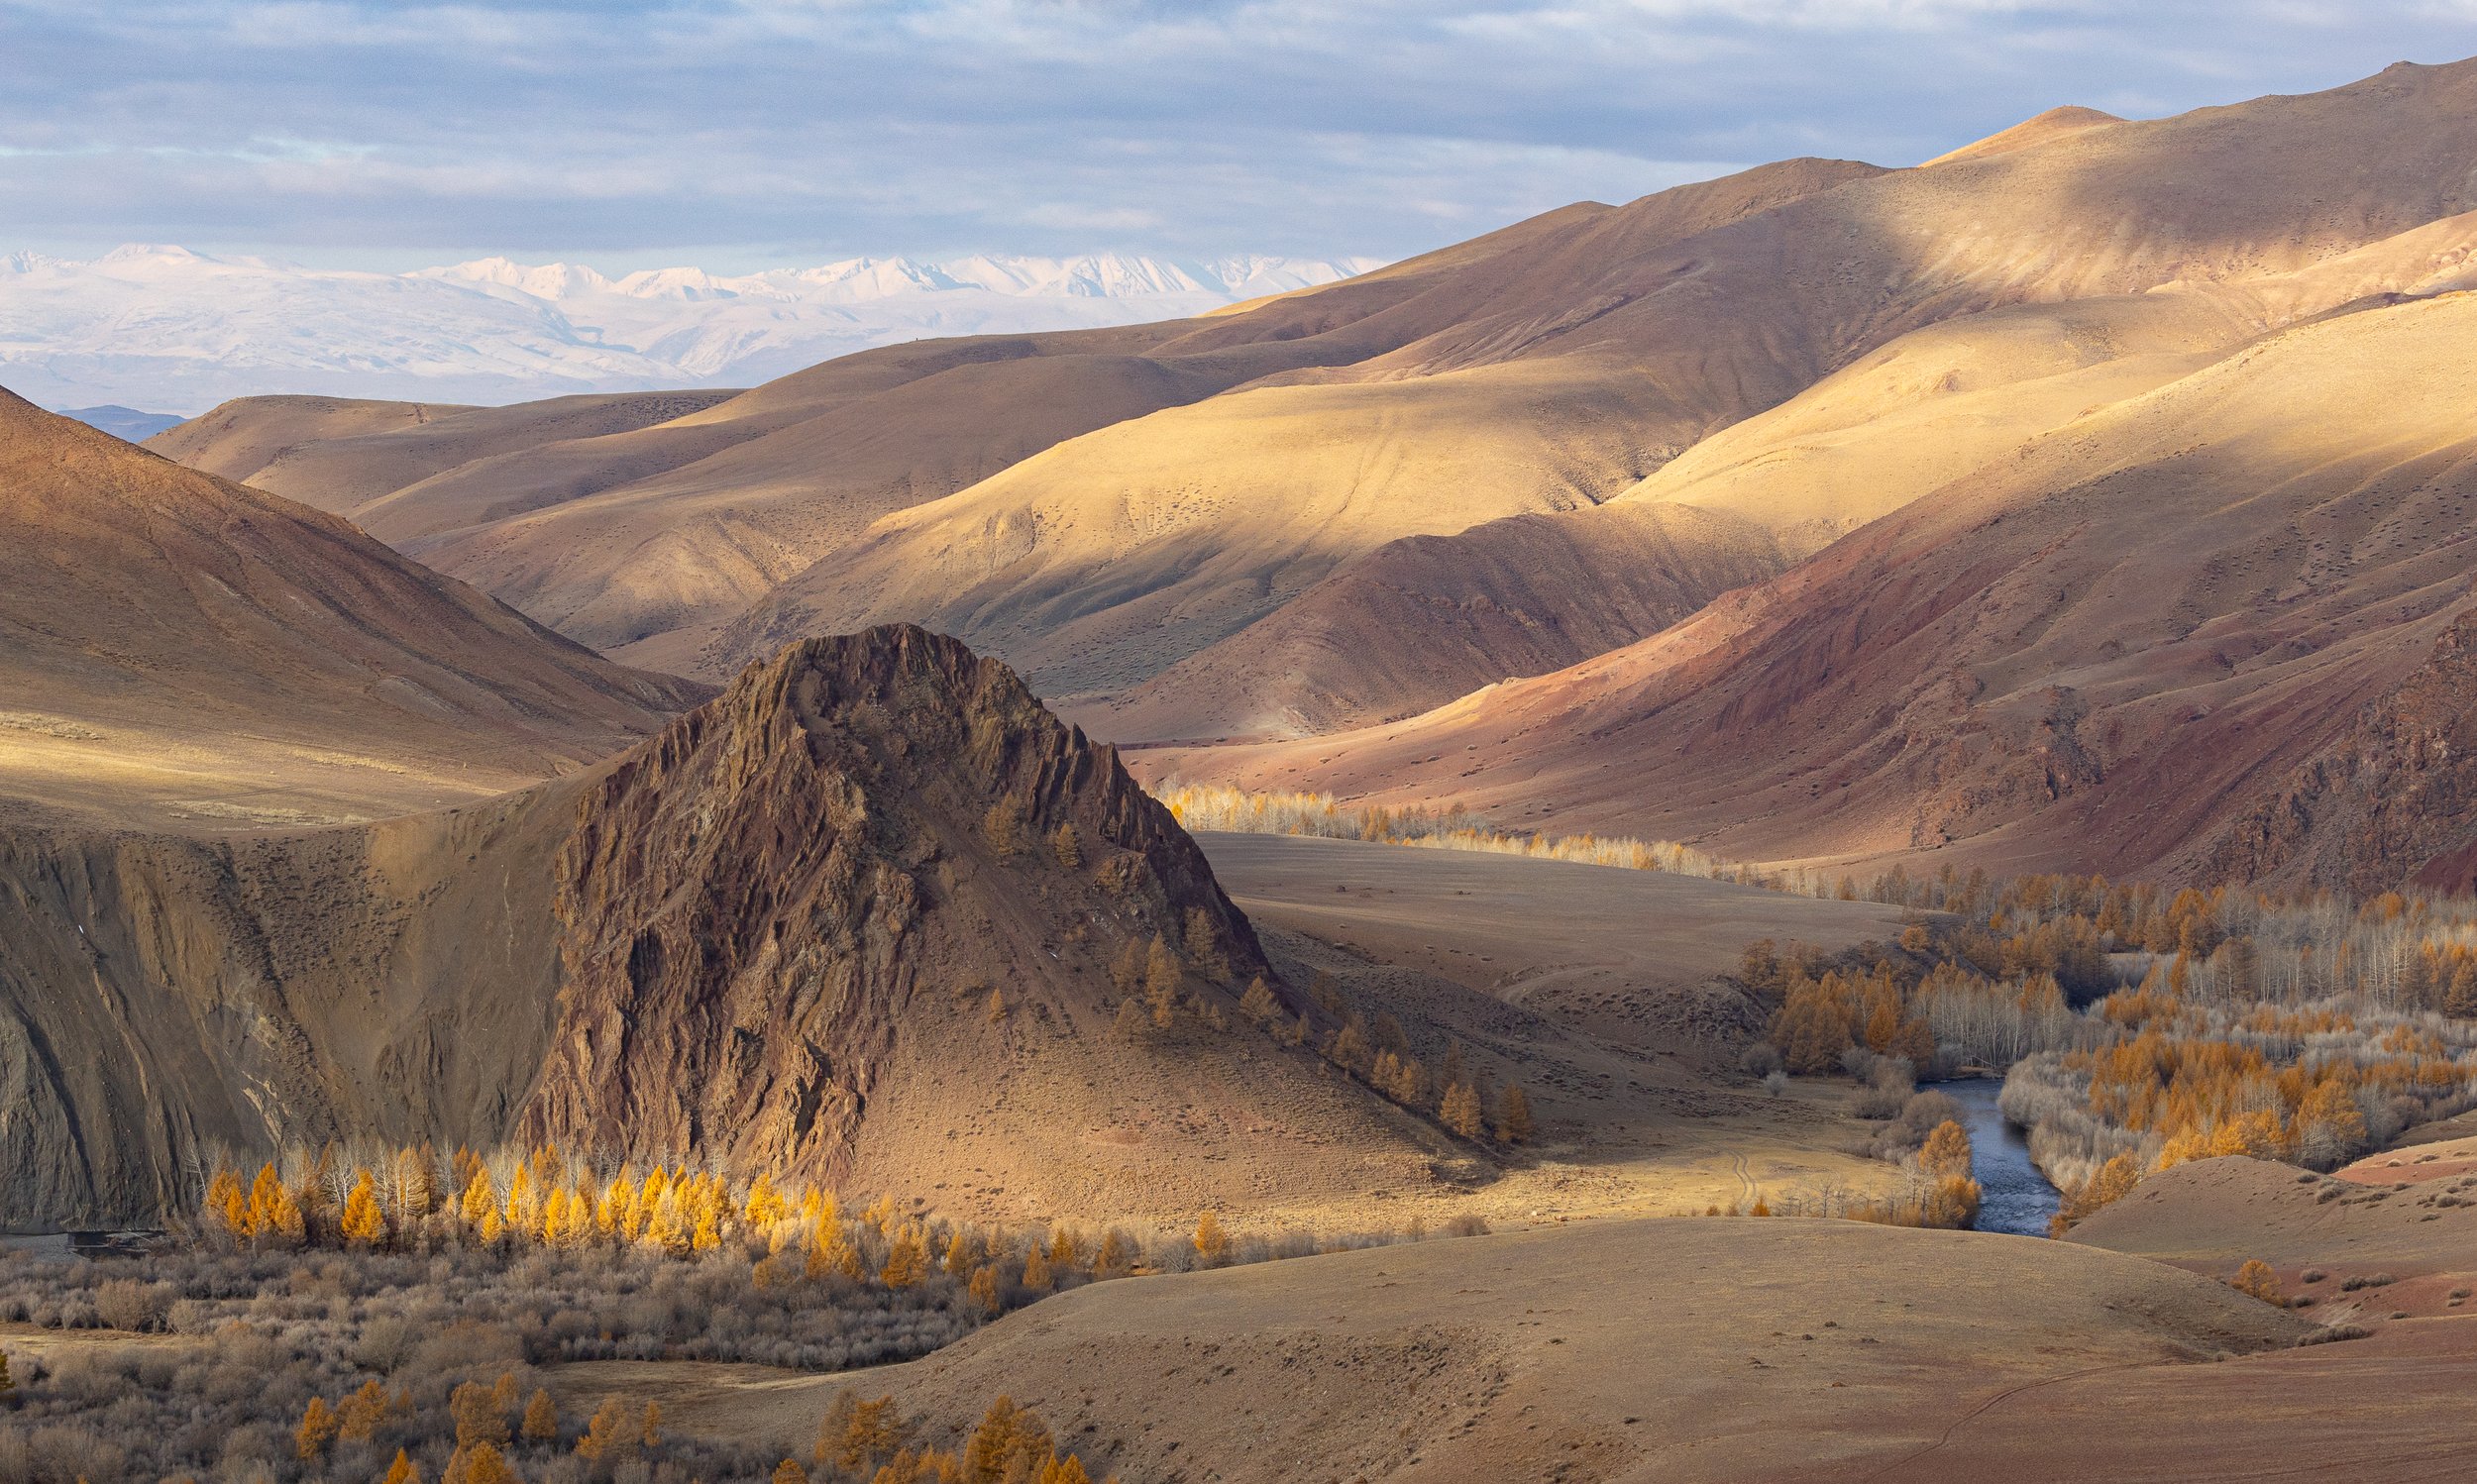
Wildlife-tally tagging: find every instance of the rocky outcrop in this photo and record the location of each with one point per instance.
(2396, 798)
(855, 845)
(853, 919)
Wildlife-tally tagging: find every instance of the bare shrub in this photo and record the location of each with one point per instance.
(127, 1304)
(73, 1452)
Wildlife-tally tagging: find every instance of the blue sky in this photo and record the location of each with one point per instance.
(747, 133)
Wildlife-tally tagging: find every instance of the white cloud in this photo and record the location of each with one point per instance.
(806, 128)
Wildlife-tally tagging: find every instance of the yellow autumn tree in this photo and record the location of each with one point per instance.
(766, 1204)
(993, 1443)
(2113, 1181)
(523, 1213)
(907, 1259)
(479, 1201)
(402, 1471)
(478, 1416)
(858, 1433)
(609, 1436)
(364, 1225)
(1947, 1150)
(357, 1418)
(2257, 1280)
(228, 1203)
(273, 1215)
(1066, 1469)
(541, 1423)
(1513, 1116)
(318, 1426)
(1212, 1242)
(479, 1463)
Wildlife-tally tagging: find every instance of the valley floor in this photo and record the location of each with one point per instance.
(1599, 983)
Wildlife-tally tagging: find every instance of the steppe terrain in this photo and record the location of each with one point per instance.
(1686, 1350)
(451, 808)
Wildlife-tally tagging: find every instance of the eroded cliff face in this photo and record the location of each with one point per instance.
(165, 1001)
(2393, 800)
(845, 864)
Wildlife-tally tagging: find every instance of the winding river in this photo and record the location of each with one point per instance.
(2013, 1195)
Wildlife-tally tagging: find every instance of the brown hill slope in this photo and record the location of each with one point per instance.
(2214, 1215)
(339, 454)
(1779, 1351)
(2070, 119)
(1599, 350)
(1421, 620)
(250, 438)
(644, 542)
(781, 933)
(1528, 595)
(2113, 650)
(185, 653)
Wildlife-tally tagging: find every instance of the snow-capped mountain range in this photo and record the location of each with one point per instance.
(166, 329)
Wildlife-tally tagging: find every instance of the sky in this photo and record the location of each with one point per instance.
(746, 134)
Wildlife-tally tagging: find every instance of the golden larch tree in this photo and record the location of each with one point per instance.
(610, 1434)
(2257, 1279)
(1513, 1116)
(357, 1418)
(318, 1426)
(478, 1414)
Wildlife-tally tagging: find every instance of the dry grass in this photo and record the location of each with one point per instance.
(1277, 813)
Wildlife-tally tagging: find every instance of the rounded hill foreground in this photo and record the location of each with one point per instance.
(1665, 1349)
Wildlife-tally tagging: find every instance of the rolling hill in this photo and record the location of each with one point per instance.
(183, 653)
(2018, 504)
(2137, 643)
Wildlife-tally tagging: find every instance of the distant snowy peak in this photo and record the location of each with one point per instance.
(549, 280)
(1100, 276)
(152, 325)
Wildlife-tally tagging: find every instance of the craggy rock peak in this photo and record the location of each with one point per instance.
(806, 883)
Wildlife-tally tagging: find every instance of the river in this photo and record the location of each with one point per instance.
(2013, 1195)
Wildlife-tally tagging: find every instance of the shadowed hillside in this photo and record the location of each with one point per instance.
(2115, 650)
(182, 653)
